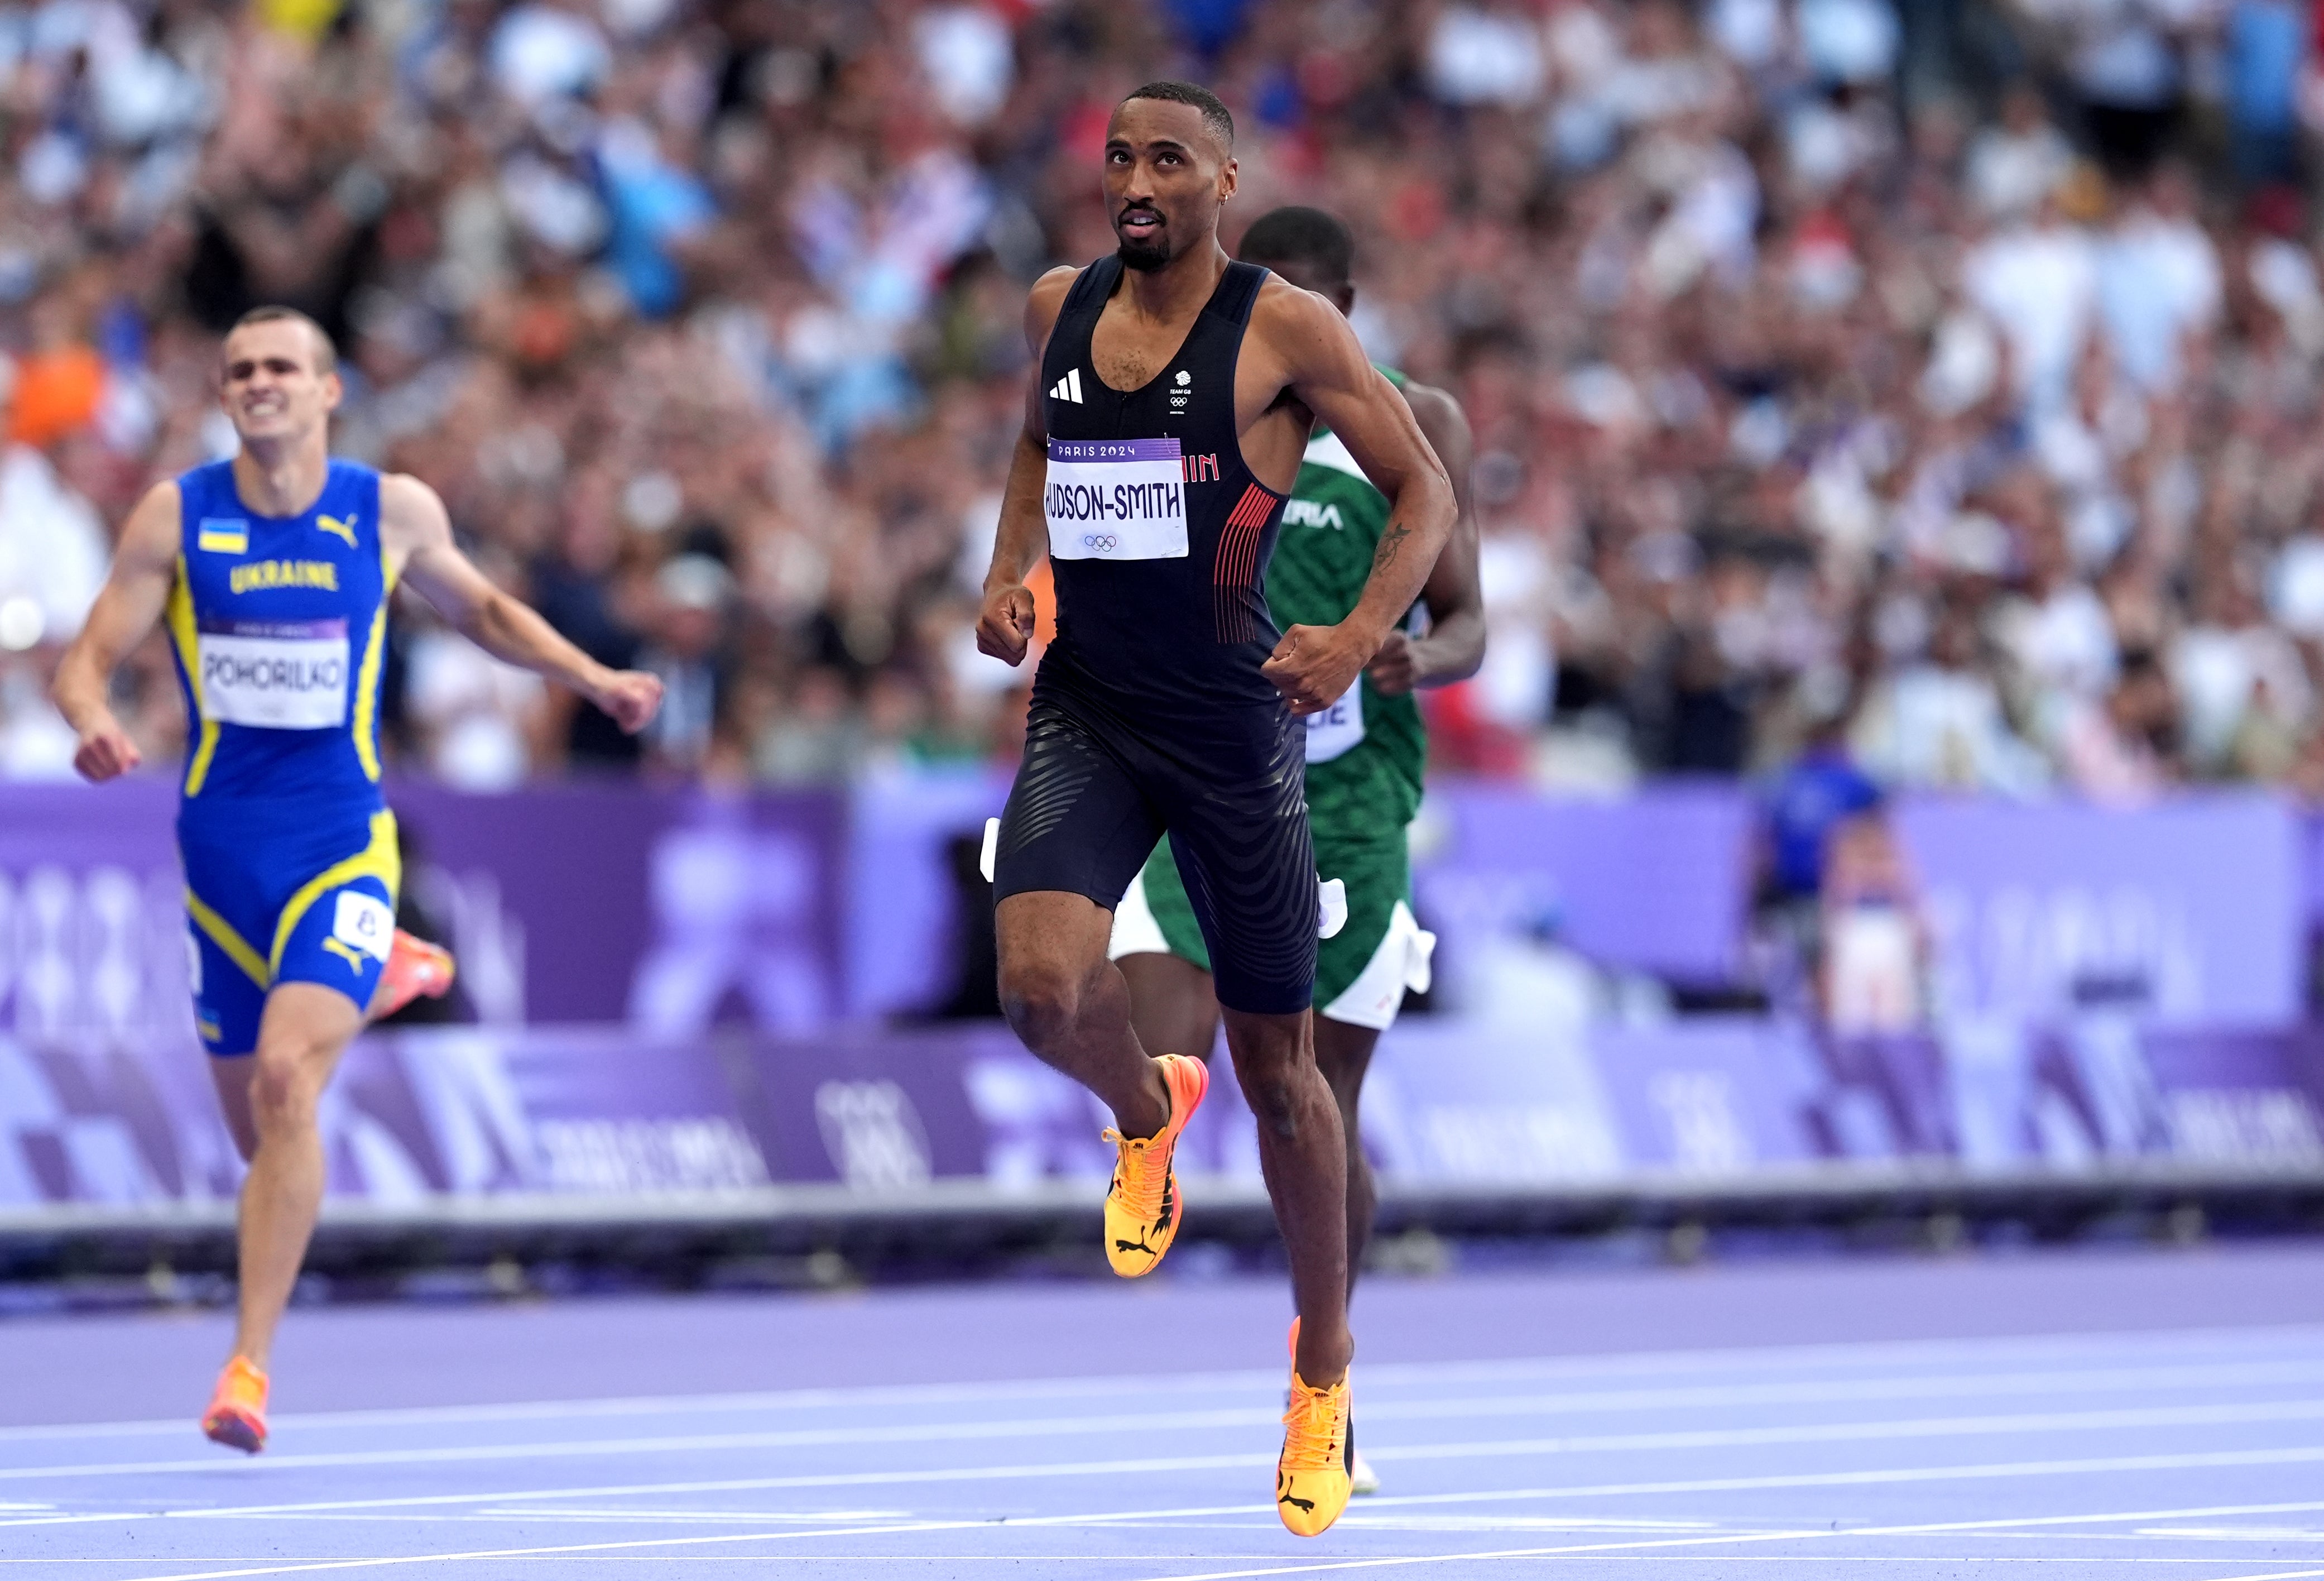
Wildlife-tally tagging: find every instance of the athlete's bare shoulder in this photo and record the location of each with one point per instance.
(149, 537)
(412, 514)
(1301, 328)
(1439, 415)
(1043, 304)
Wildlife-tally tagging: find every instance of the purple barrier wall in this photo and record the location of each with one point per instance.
(675, 910)
(2195, 909)
(671, 910)
(476, 1113)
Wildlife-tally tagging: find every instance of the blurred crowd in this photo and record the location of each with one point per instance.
(1868, 394)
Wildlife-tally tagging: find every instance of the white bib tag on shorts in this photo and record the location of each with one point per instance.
(278, 675)
(363, 923)
(1339, 728)
(1116, 500)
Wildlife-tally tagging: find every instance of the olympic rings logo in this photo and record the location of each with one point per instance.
(1103, 542)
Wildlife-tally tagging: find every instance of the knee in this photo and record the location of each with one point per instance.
(1041, 999)
(1271, 1085)
(285, 1086)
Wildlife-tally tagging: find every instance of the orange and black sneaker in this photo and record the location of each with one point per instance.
(1311, 1475)
(237, 1414)
(1362, 1478)
(415, 969)
(1142, 1210)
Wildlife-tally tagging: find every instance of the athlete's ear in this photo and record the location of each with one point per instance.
(333, 391)
(1226, 179)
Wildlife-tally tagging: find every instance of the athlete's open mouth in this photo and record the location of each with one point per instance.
(1140, 223)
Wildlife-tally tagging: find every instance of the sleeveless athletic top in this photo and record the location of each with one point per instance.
(280, 625)
(1158, 534)
(1367, 755)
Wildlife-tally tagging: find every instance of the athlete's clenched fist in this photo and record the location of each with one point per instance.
(1314, 666)
(631, 697)
(106, 752)
(1005, 630)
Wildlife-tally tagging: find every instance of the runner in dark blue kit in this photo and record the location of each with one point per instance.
(1176, 394)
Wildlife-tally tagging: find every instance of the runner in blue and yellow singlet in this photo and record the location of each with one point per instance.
(1365, 755)
(272, 573)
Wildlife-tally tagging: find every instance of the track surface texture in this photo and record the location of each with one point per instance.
(2060, 1414)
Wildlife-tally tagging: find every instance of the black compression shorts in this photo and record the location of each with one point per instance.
(1093, 795)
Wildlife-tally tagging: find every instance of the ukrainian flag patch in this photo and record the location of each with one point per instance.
(223, 536)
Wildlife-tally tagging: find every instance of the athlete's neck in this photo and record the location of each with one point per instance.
(282, 478)
(1180, 286)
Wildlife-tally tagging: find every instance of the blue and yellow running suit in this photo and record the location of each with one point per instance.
(280, 629)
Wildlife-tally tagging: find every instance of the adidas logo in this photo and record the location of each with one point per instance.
(1068, 388)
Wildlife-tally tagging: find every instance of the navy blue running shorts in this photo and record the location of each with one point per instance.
(1093, 795)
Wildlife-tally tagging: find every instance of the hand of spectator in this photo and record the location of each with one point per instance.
(1005, 630)
(631, 697)
(106, 752)
(1314, 666)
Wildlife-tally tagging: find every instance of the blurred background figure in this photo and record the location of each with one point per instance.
(1875, 941)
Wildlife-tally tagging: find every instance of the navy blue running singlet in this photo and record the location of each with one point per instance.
(1150, 714)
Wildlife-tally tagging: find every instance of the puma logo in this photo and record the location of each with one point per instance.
(353, 957)
(1138, 1245)
(339, 527)
(1304, 1506)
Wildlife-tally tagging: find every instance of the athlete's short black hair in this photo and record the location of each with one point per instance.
(327, 355)
(1215, 115)
(1309, 236)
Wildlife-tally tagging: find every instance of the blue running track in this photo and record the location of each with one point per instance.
(2064, 1415)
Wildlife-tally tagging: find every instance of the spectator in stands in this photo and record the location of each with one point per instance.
(704, 317)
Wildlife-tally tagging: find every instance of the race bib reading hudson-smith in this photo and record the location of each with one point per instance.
(1116, 500)
(278, 675)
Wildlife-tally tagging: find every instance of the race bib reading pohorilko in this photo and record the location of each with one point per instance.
(278, 675)
(1116, 500)
(1339, 728)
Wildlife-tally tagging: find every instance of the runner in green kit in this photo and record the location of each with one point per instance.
(1366, 753)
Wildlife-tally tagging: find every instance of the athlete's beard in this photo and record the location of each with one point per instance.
(1148, 255)
(1145, 257)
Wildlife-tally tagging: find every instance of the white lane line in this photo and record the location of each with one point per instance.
(1757, 1359)
(579, 1551)
(2308, 1455)
(1049, 1428)
(561, 1551)
(1630, 1550)
(1563, 1404)
(587, 1549)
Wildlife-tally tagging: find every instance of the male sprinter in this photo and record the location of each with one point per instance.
(1176, 392)
(1366, 753)
(275, 570)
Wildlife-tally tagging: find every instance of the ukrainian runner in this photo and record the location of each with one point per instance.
(273, 571)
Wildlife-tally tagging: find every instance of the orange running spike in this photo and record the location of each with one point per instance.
(1142, 1209)
(416, 969)
(237, 1414)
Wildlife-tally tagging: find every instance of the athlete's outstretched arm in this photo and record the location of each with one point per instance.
(134, 594)
(1005, 628)
(413, 526)
(1455, 644)
(1325, 368)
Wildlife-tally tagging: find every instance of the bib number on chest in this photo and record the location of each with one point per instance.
(1338, 729)
(276, 675)
(1116, 500)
